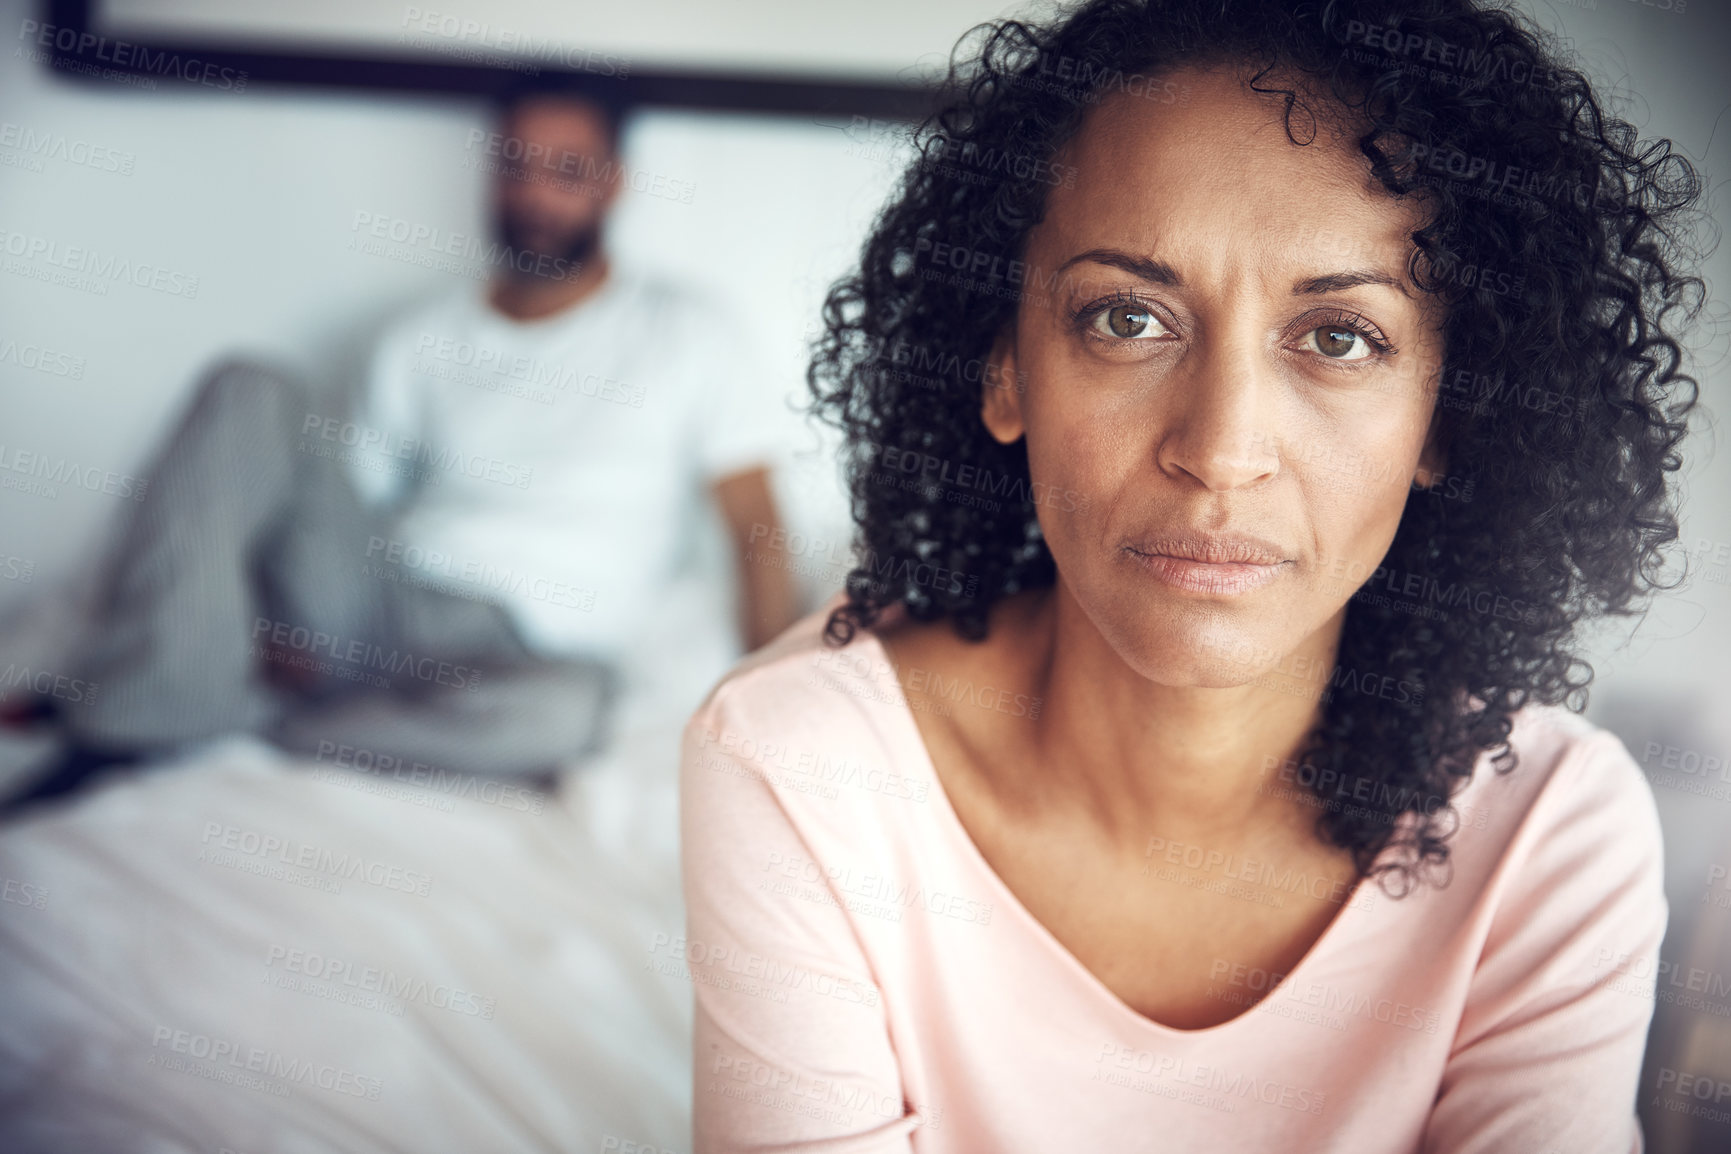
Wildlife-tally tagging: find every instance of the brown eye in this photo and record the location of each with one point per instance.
(1340, 344)
(1127, 322)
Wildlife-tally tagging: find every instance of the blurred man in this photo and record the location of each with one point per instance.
(464, 571)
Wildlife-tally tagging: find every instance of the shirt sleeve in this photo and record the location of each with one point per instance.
(1548, 1054)
(792, 1051)
(742, 419)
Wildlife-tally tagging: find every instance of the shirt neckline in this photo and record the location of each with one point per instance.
(958, 833)
(613, 287)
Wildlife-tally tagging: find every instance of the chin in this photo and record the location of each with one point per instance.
(1195, 645)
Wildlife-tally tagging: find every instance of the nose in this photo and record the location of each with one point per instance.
(1216, 420)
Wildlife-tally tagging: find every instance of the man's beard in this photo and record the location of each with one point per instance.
(560, 256)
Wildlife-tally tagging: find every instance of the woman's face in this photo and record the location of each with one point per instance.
(1225, 372)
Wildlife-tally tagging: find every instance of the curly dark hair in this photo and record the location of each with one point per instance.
(1561, 404)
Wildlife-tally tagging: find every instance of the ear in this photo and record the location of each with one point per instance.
(1433, 462)
(1001, 390)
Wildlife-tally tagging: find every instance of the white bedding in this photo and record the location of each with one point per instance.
(149, 993)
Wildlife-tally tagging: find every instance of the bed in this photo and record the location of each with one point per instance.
(246, 951)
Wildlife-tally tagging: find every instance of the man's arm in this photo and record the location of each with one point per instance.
(768, 601)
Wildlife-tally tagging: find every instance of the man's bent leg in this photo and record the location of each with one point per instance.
(517, 721)
(439, 679)
(171, 646)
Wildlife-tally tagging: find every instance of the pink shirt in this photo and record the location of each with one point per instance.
(866, 982)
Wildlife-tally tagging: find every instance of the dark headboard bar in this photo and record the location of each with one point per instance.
(83, 58)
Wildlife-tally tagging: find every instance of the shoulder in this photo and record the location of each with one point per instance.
(1576, 774)
(663, 291)
(430, 319)
(814, 723)
(1574, 823)
(709, 323)
(801, 683)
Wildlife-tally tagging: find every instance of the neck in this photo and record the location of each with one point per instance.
(1185, 760)
(530, 298)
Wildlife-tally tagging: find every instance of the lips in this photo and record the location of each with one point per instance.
(1219, 564)
(1232, 549)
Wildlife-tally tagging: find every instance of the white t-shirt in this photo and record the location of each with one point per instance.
(561, 466)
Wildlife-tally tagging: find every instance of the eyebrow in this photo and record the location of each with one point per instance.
(1150, 270)
(1335, 281)
(1159, 272)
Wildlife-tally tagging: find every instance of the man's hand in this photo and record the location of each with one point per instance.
(769, 601)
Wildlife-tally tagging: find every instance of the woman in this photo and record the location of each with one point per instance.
(1246, 404)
